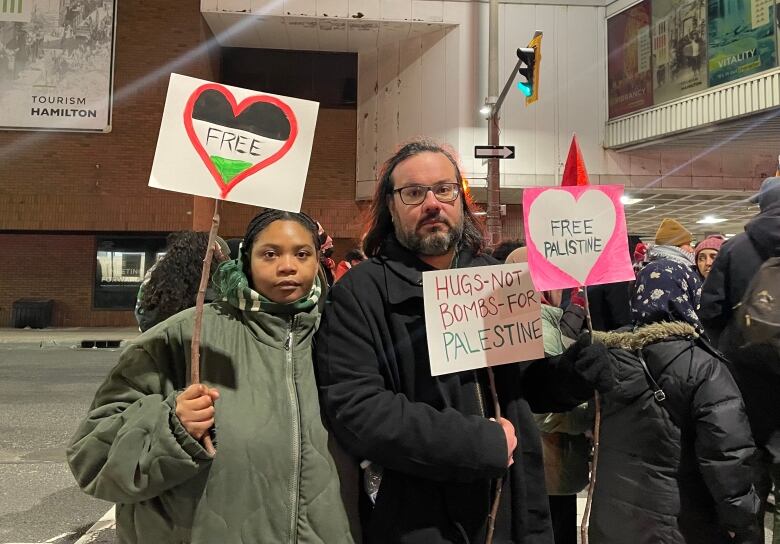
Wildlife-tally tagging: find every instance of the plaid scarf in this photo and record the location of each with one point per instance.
(232, 286)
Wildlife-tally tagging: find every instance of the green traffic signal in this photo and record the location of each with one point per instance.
(527, 56)
(525, 88)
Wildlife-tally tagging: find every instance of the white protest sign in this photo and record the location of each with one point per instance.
(234, 144)
(480, 317)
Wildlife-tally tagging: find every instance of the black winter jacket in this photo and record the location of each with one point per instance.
(610, 305)
(439, 452)
(678, 470)
(756, 368)
(736, 264)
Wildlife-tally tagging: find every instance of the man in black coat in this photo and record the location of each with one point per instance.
(756, 368)
(431, 449)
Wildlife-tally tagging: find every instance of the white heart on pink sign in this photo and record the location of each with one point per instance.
(553, 205)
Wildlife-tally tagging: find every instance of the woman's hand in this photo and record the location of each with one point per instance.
(195, 409)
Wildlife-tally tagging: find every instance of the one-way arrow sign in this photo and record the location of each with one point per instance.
(494, 152)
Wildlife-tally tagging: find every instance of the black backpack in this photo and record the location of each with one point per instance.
(757, 315)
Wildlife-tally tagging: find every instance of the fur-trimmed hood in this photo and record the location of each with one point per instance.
(632, 340)
(662, 341)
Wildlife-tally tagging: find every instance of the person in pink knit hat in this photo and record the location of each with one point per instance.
(705, 253)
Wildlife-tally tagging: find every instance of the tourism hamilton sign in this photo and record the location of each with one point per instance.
(56, 65)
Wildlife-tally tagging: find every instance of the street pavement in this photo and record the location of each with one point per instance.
(46, 386)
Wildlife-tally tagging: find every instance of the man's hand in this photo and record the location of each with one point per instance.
(511, 438)
(195, 409)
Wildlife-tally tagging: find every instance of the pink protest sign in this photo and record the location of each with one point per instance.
(576, 236)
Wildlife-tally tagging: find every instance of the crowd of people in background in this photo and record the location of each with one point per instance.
(686, 358)
(683, 456)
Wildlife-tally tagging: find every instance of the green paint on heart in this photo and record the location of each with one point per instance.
(229, 168)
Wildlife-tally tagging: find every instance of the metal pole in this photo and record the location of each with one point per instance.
(493, 177)
(493, 49)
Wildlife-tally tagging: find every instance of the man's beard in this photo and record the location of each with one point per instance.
(435, 242)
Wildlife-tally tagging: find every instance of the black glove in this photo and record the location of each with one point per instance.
(593, 363)
(573, 351)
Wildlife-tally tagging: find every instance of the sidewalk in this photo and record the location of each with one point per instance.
(70, 336)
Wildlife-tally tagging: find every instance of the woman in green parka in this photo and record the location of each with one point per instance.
(273, 478)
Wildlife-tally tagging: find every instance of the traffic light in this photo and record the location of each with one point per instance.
(528, 57)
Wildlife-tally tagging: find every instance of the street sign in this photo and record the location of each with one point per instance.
(494, 152)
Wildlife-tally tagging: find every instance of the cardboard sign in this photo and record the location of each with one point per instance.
(482, 316)
(576, 236)
(234, 144)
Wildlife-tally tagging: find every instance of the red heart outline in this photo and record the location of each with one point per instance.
(237, 109)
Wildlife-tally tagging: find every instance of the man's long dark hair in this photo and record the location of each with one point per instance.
(380, 225)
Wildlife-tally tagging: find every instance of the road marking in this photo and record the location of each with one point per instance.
(107, 522)
(63, 535)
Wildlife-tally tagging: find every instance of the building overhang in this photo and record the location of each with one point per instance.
(739, 114)
(268, 29)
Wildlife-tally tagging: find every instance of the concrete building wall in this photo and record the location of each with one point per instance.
(434, 84)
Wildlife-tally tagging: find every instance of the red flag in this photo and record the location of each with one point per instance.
(574, 172)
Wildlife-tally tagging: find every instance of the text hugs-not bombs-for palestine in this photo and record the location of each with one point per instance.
(484, 310)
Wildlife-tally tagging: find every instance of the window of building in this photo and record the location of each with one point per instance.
(120, 266)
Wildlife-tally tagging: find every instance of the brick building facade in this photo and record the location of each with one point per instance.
(60, 191)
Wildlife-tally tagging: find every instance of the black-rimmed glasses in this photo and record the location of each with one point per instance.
(411, 195)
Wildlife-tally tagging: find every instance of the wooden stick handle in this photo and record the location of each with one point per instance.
(195, 347)
(596, 435)
(500, 482)
(494, 394)
(592, 484)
